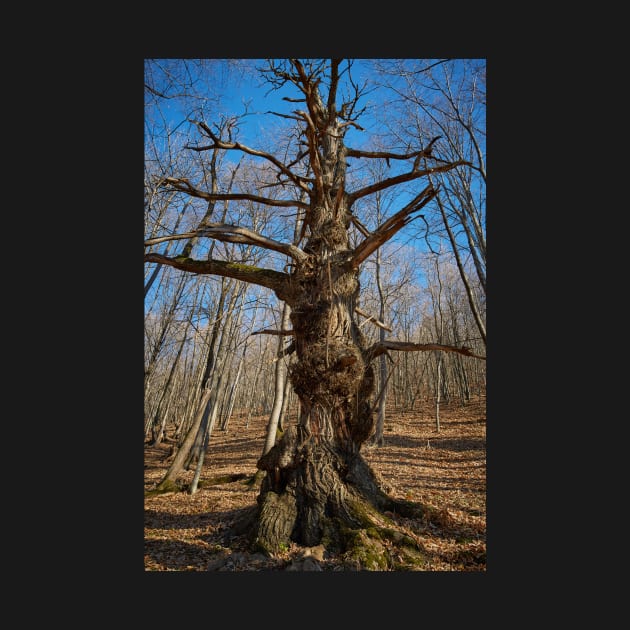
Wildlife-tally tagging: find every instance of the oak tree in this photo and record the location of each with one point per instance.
(317, 484)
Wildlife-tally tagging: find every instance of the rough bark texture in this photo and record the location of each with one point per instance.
(316, 477)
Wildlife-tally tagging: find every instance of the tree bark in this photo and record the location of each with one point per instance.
(168, 483)
(279, 381)
(378, 439)
(316, 475)
(286, 395)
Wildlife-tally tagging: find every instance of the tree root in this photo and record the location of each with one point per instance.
(179, 485)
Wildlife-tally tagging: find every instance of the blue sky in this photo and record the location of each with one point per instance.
(260, 98)
(253, 127)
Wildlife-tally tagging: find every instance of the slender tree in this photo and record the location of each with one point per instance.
(446, 98)
(318, 486)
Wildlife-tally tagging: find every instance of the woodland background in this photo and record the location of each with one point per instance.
(427, 285)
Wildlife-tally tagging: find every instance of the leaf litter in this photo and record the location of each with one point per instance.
(444, 471)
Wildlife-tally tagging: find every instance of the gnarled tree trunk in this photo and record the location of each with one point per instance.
(315, 473)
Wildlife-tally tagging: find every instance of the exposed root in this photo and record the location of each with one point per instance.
(166, 487)
(275, 523)
(342, 512)
(378, 544)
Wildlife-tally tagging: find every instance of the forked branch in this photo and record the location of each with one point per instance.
(183, 185)
(371, 318)
(220, 144)
(235, 234)
(387, 230)
(400, 179)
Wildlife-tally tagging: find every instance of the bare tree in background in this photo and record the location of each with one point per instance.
(317, 484)
(447, 99)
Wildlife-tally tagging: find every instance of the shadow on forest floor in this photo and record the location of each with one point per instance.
(459, 444)
(444, 472)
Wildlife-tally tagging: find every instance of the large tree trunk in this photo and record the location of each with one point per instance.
(318, 486)
(316, 476)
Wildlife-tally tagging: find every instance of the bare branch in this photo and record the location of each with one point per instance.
(311, 134)
(371, 318)
(285, 115)
(184, 185)
(172, 237)
(235, 234)
(360, 226)
(286, 351)
(426, 234)
(347, 108)
(297, 159)
(437, 63)
(399, 179)
(383, 346)
(351, 122)
(426, 152)
(154, 91)
(219, 144)
(303, 78)
(385, 231)
(274, 280)
(270, 331)
(332, 92)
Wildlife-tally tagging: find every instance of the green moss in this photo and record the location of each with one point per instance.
(391, 534)
(255, 479)
(410, 560)
(370, 541)
(398, 537)
(372, 532)
(165, 486)
(268, 548)
(376, 544)
(365, 514)
(243, 267)
(366, 551)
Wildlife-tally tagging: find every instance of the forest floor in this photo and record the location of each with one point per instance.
(444, 471)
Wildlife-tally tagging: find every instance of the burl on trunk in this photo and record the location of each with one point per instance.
(315, 473)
